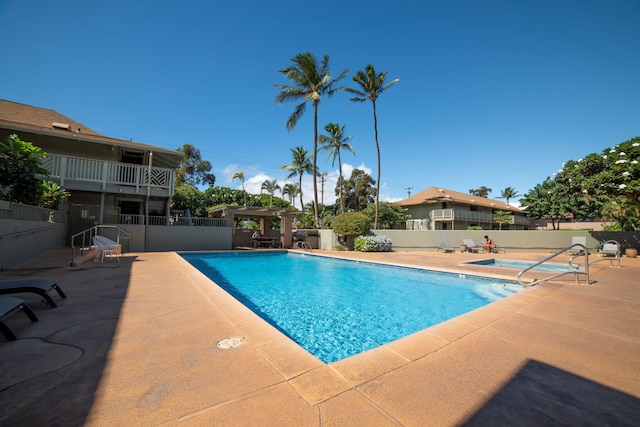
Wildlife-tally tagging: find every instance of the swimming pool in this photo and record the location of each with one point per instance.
(337, 308)
(521, 265)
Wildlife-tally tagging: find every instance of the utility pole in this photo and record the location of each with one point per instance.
(408, 190)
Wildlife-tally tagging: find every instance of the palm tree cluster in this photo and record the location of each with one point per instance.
(310, 80)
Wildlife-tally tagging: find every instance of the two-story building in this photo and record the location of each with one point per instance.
(110, 180)
(440, 209)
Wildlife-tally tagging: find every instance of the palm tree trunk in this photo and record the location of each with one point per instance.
(301, 205)
(375, 127)
(340, 183)
(315, 159)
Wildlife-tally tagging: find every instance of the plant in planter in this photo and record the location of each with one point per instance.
(372, 244)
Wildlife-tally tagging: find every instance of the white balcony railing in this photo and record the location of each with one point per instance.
(68, 168)
(472, 216)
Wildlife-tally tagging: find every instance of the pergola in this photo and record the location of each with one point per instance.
(264, 216)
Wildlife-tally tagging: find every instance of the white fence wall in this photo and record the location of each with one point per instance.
(543, 241)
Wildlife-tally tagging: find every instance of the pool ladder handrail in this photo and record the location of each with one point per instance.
(583, 250)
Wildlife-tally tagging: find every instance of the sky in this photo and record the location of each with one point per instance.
(495, 93)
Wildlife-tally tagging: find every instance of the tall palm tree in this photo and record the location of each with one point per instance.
(333, 143)
(310, 81)
(291, 190)
(270, 187)
(509, 193)
(371, 86)
(299, 166)
(240, 176)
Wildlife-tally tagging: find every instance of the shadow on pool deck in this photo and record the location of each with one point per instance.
(135, 342)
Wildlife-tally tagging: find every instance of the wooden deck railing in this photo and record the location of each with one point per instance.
(68, 168)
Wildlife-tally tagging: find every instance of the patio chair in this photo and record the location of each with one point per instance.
(9, 306)
(36, 286)
(106, 246)
(610, 249)
(472, 247)
(443, 245)
(497, 249)
(582, 240)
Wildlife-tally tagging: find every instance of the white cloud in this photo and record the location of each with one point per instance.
(253, 180)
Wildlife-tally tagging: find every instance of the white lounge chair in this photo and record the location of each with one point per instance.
(472, 247)
(443, 245)
(609, 249)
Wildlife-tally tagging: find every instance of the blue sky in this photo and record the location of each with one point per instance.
(491, 93)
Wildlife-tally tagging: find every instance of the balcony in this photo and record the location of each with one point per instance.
(473, 216)
(76, 173)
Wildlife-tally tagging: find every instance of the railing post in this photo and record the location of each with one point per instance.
(63, 170)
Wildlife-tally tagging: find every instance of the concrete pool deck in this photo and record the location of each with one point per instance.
(135, 343)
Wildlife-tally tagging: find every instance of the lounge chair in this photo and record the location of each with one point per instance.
(497, 249)
(610, 248)
(443, 245)
(575, 240)
(472, 247)
(9, 306)
(38, 286)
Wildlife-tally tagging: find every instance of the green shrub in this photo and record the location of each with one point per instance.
(349, 225)
(372, 244)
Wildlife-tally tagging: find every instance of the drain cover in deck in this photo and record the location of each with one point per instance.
(228, 343)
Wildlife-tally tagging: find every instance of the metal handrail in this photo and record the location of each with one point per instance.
(87, 236)
(583, 250)
(29, 231)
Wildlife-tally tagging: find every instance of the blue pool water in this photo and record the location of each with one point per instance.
(521, 265)
(336, 308)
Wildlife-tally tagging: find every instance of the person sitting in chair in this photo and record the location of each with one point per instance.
(489, 244)
(254, 239)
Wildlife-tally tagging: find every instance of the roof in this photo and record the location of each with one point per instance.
(437, 195)
(44, 121)
(40, 118)
(251, 211)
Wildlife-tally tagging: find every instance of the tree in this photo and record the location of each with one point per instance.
(503, 217)
(51, 194)
(611, 175)
(389, 214)
(192, 170)
(270, 187)
(350, 225)
(20, 163)
(333, 143)
(547, 200)
(189, 197)
(358, 190)
(371, 86)
(508, 193)
(291, 190)
(217, 196)
(621, 213)
(240, 176)
(480, 192)
(310, 81)
(299, 165)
